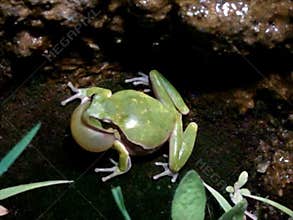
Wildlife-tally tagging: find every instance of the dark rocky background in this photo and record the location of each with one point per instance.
(231, 61)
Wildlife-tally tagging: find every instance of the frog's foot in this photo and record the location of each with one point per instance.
(166, 172)
(142, 80)
(115, 171)
(78, 95)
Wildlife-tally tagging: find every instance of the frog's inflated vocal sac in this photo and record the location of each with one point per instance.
(136, 124)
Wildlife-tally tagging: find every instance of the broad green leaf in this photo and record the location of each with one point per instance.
(221, 200)
(236, 213)
(14, 190)
(118, 197)
(272, 203)
(14, 153)
(189, 200)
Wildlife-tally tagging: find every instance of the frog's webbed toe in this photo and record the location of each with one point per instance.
(143, 79)
(166, 172)
(78, 95)
(114, 171)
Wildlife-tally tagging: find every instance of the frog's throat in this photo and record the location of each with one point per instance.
(87, 136)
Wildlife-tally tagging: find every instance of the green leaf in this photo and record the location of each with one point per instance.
(242, 179)
(14, 153)
(14, 190)
(245, 191)
(189, 200)
(236, 213)
(230, 189)
(237, 197)
(118, 197)
(221, 200)
(272, 203)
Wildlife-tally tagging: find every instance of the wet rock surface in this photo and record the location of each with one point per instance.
(48, 27)
(152, 10)
(245, 22)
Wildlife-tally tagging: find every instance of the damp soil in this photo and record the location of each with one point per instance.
(245, 122)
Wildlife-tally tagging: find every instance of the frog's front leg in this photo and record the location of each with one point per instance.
(180, 148)
(122, 166)
(78, 94)
(85, 94)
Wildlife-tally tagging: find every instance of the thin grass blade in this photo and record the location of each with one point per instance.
(220, 199)
(11, 191)
(272, 203)
(118, 197)
(14, 153)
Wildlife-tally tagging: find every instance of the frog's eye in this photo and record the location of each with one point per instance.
(107, 120)
(107, 124)
(92, 97)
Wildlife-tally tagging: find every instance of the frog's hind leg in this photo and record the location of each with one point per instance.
(180, 149)
(119, 168)
(143, 79)
(167, 93)
(166, 172)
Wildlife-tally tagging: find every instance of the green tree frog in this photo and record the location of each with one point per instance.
(133, 123)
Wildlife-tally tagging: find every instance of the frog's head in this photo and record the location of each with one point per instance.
(98, 93)
(89, 133)
(97, 96)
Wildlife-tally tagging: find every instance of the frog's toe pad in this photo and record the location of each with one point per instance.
(142, 80)
(166, 172)
(115, 171)
(78, 95)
